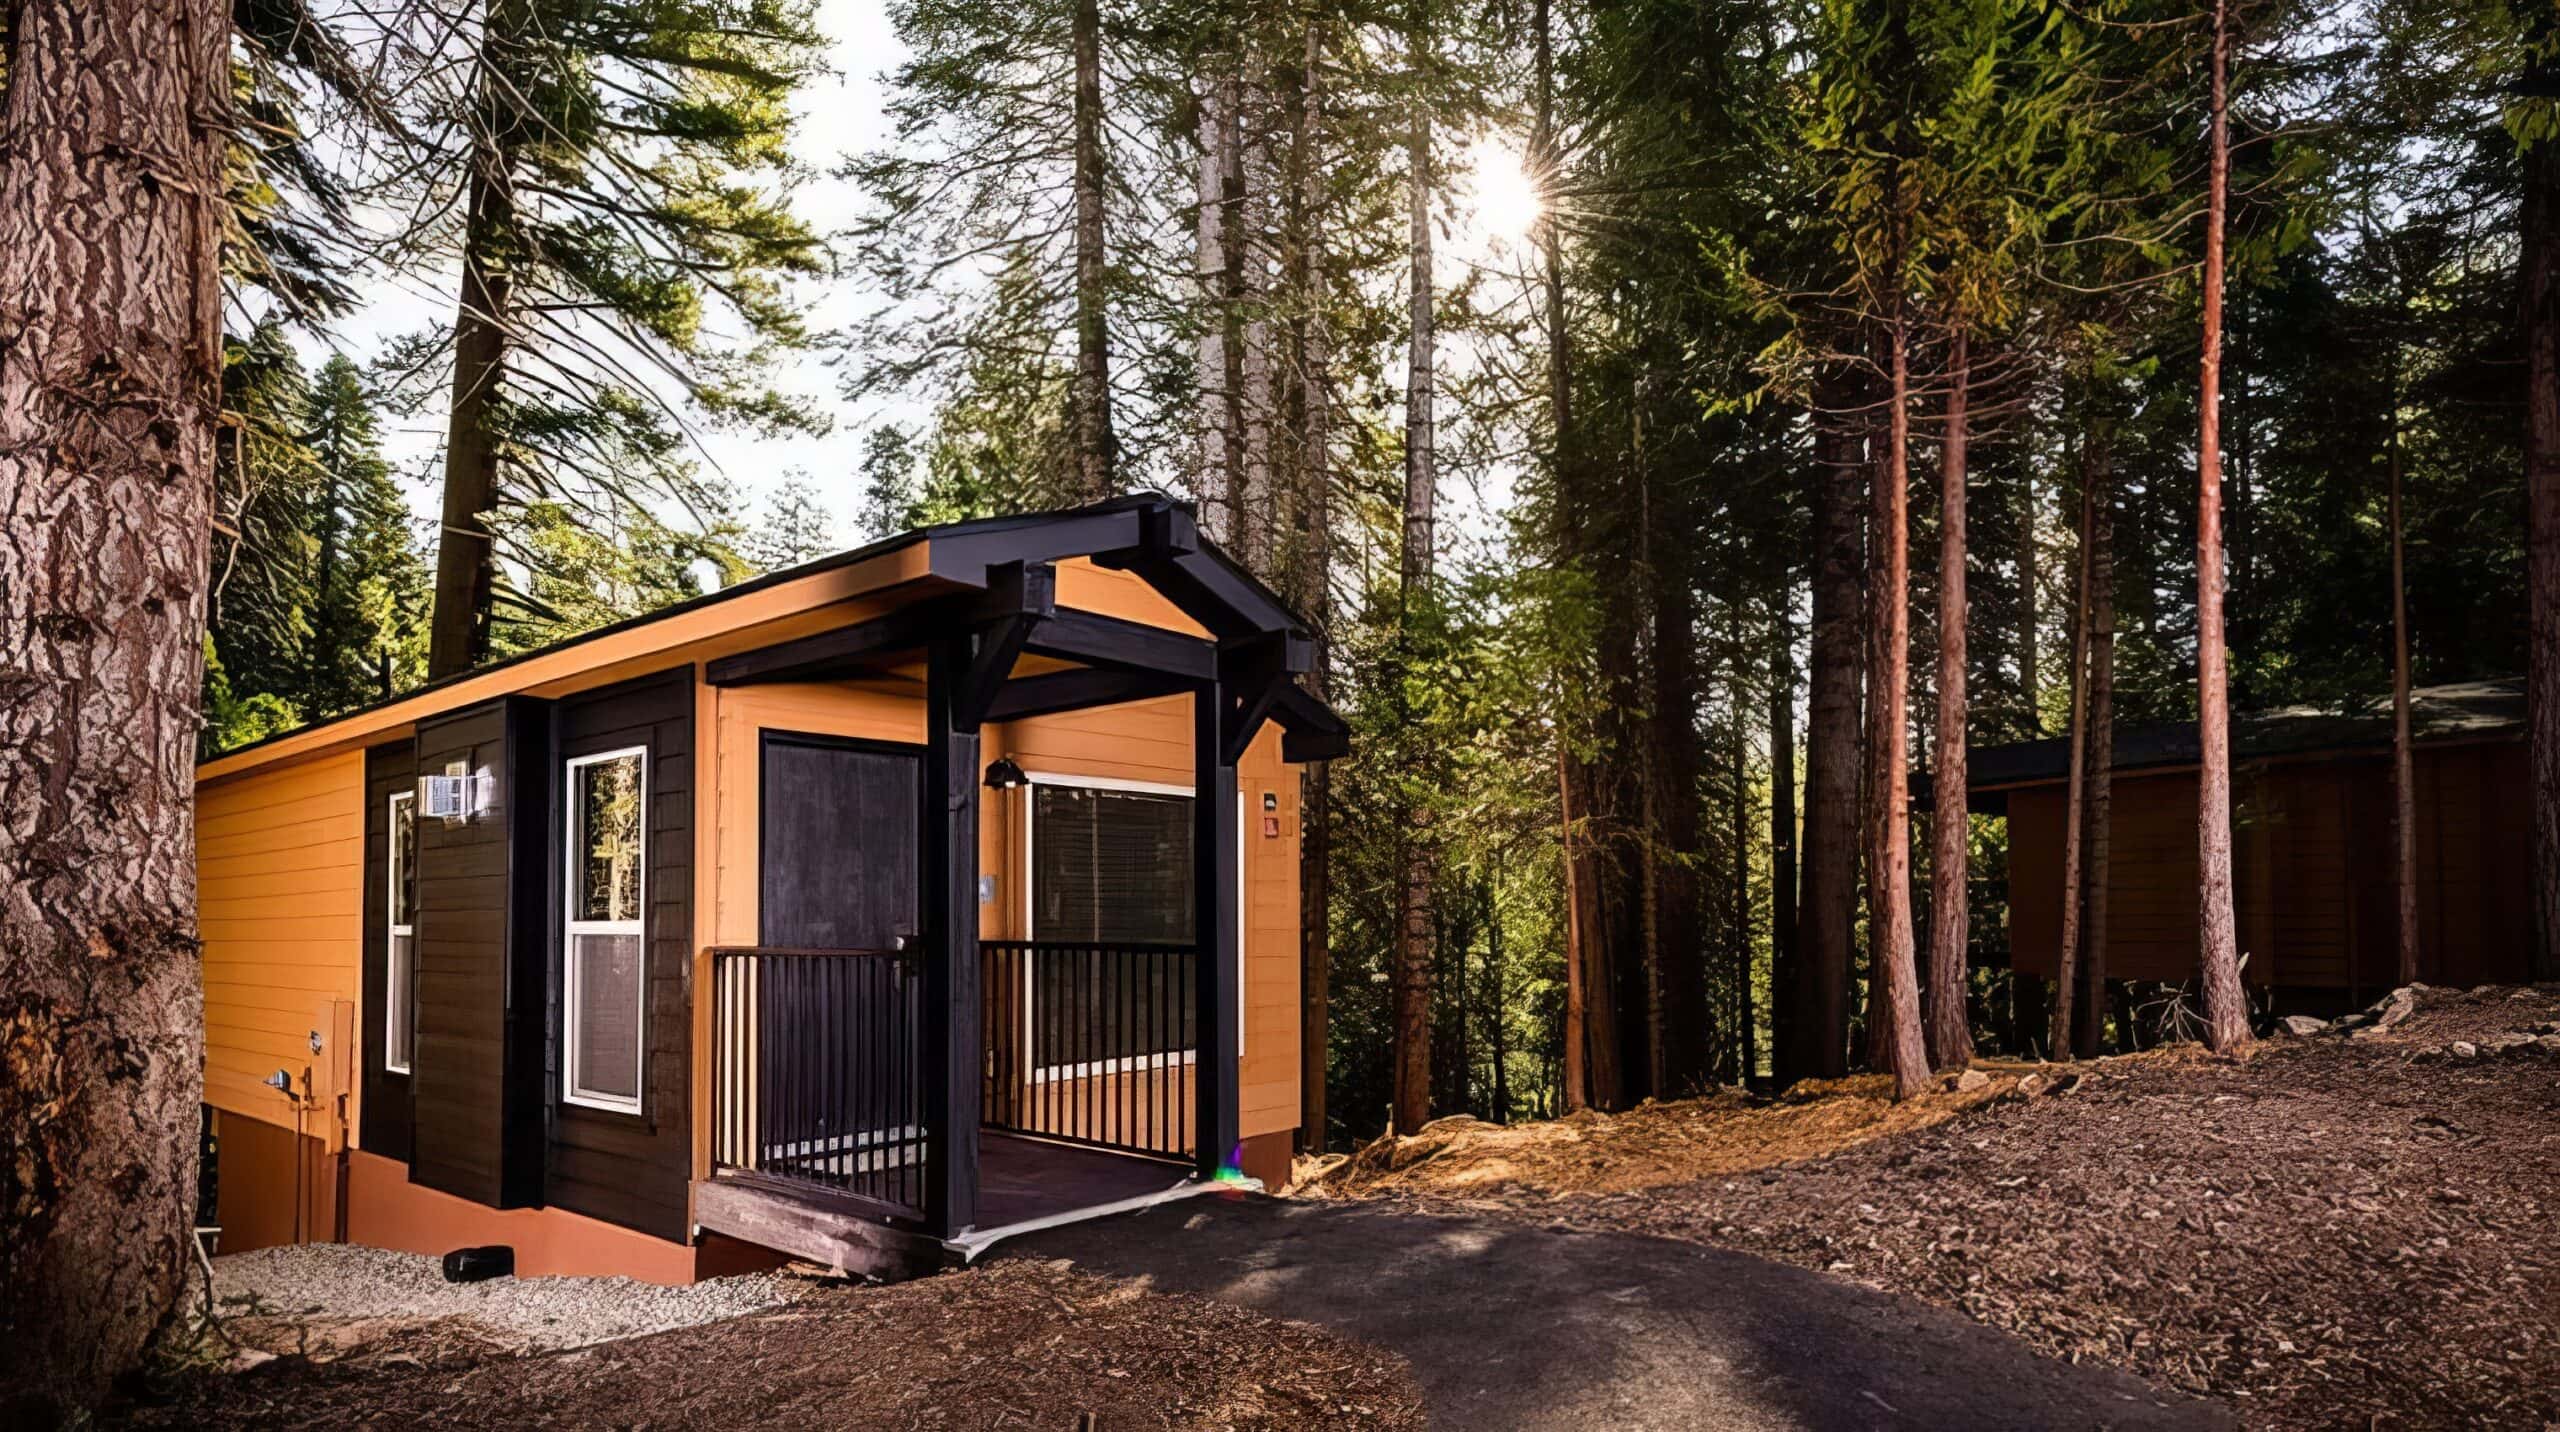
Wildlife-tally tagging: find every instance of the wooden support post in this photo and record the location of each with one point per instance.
(951, 1013)
(1220, 931)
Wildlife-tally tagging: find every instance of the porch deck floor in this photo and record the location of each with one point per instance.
(1020, 1179)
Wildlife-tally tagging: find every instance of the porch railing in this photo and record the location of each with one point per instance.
(1093, 1043)
(817, 1077)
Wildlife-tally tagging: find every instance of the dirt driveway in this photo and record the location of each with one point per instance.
(1511, 1326)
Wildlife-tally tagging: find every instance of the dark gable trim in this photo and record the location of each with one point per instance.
(1147, 533)
(633, 1170)
(388, 770)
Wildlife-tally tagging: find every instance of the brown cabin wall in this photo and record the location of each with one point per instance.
(2313, 871)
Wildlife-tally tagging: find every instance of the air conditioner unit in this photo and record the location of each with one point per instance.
(445, 797)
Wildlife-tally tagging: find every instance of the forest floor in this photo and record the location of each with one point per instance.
(2324, 1231)
(1029, 1344)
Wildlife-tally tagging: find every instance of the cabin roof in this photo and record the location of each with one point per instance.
(2460, 711)
(1147, 534)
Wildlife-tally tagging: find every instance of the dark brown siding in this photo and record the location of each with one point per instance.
(388, 770)
(2312, 872)
(477, 1122)
(635, 1169)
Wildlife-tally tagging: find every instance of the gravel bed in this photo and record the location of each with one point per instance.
(1021, 1344)
(345, 1283)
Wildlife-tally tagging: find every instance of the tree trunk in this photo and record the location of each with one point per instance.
(1577, 1082)
(2226, 1005)
(1315, 599)
(1950, 1032)
(1832, 713)
(1220, 416)
(2066, 975)
(112, 145)
(1097, 450)
(2541, 266)
(1897, 1038)
(1683, 1019)
(1786, 1008)
(1746, 1022)
(1591, 1019)
(1412, 992)
(1247, 244)
(2098, 805)
(1649, 782)
(2404, 773)
(2030, 691)
(466, 552)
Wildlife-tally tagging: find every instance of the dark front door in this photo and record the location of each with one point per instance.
(839, 880)
(840, 843)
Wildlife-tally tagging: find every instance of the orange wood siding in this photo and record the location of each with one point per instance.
(279, 878)
(1142, 741)
(2312, 855)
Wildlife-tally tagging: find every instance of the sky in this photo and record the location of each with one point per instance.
(839, 115)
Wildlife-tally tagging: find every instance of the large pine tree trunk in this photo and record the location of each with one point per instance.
(2226, 1006)
(2066, 977)
(1096, 447)
(1895, 1014)
(1836, 660)
(1412, 979)
(1950, 1033)
(111, 182)
(2098, 803)
(2541, 266)
(1314, 365)
(458, 633)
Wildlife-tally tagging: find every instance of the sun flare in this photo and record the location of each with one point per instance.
(1505, 199)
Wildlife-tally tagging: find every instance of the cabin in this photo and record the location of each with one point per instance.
(864, 913)
(2313, 847)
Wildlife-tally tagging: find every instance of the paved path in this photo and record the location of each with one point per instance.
(1514, 1326)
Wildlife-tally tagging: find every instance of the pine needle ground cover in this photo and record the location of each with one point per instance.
(2326, 1232)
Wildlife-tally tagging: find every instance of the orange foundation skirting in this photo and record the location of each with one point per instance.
(1266, 1157)
(385, 1210)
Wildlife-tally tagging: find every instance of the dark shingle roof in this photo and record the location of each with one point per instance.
(2461, 711)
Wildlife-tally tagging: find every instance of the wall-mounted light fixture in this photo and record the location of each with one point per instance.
(1004, 775)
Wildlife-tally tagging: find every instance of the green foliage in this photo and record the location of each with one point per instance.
(320, 590)
(797, 526)
(585, 575)
(622, 169)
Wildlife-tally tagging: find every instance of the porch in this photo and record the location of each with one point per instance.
(887, 1088)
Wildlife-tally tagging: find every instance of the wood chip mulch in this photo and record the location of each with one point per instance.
(2324, 1232)
(1016, 1344)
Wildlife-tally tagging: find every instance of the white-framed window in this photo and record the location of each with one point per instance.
(400, 928)
(1107, 861)
(604, 955)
